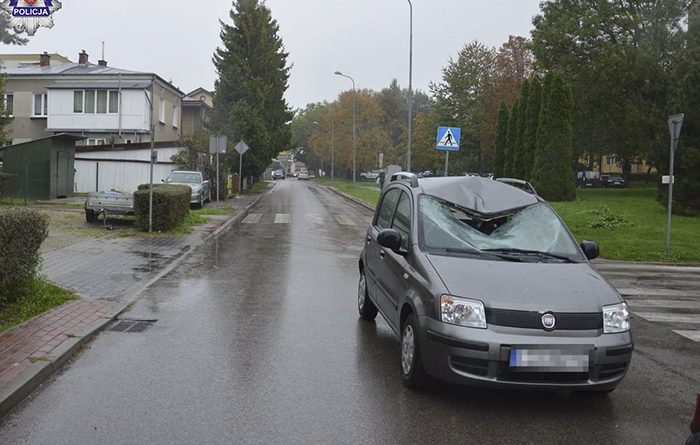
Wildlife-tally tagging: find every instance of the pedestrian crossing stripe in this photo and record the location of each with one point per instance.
(448, 138)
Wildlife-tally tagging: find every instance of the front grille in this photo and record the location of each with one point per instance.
(473, 366)
(565, 321)
(506, 374)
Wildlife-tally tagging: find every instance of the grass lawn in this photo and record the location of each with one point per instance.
(367, 191)
(629, 224)
(41, 297)
(212, 211)
(192, 219)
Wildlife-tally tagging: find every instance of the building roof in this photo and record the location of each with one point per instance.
(197, 92)
(16, 59)
(20, 65)
(73, 137)
(481, 195)
(125, 84)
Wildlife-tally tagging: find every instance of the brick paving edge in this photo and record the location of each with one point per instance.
(13, 393)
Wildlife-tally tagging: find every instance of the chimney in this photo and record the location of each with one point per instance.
(102, 62)
(44, 59)
(83, 58)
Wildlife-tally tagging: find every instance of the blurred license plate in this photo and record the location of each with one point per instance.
(550, 360)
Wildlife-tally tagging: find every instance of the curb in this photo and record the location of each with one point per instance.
(349, 197)
(38, 372)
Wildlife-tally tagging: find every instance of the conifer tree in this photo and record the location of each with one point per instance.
(552, 174)
(534, 100)
(253, 73)
(511, 139)
(501, 141)
(519, 147)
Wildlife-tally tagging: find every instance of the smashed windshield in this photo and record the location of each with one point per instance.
(532, 229)
(185, 178)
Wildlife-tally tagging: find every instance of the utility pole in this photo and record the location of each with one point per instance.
(674, 125)
(410, 91)
(153, 158)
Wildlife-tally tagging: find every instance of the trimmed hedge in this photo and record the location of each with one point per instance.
(22, 231)
(171, 204)
(5, 179)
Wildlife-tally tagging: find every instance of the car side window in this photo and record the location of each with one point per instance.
(387, 209)
(402, 219)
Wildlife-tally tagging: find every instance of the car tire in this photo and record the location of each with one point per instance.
(201, 201)
(365, 307)
(412, 372)
(90, 215)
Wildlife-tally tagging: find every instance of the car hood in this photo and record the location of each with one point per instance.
(192, 186)
(559, 287)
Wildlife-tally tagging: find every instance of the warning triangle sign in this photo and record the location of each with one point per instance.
(448, 139)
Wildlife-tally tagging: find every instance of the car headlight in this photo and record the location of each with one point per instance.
(616, 318)
(462, 311)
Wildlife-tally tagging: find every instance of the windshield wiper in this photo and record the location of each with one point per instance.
(533, 253)
(476, 252)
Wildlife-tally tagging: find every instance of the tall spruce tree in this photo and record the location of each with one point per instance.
(501, 141)
(686, 192)
(534, 101)
(511, 138)
(253, 73)
(552, 174)
(519, 147)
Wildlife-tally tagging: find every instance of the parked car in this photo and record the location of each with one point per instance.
(277, 174)
(484, 285)
(588, 179)
(374, 174)
(303, 175)
(613, 181)
(197, 181)
(425, 174)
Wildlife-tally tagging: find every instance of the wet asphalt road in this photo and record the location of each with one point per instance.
(258, 341)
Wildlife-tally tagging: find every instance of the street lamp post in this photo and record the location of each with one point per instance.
(354, 165)
(410, 89)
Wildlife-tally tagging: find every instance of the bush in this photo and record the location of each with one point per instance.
(22, 231)
(171, 204)
(5, 179)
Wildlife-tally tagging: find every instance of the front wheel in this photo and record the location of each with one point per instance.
(367, 309)
(412, 372)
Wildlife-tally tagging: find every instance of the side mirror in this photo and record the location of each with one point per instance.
(389, 238)
(590, 249)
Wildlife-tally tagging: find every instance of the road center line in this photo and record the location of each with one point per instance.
(669, 318)
(668, 304)
(692, 335)
(253, 218)
(283, 218)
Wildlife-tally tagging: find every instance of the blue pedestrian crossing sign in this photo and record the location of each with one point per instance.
(448, 138)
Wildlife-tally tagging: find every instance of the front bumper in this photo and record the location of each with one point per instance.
(481, 357)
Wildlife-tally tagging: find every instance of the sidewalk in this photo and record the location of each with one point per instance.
(108, 274)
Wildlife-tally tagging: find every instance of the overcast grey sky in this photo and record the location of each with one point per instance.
(367, 39)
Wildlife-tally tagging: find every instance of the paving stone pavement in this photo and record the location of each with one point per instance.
(107, 268)
(41, 335)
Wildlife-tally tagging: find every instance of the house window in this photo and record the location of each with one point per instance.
(97, 141)
(610, 161)
(9, 104)
(78, 101)
(114, 101)
(175, 117)
(101, 101)
(161, 118)
(90, 101)
(40, 105)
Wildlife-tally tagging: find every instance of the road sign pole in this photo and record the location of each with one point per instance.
(674, 123)
(240, 173)
(217, 178)
(447, 162)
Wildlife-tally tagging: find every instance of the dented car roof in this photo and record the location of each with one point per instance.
(481, 195)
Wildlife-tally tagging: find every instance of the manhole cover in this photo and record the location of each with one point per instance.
(130, 326)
